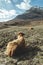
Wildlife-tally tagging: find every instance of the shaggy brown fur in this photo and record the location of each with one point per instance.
(13, 45)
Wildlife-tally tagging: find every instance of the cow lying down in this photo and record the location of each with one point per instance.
(15, 44)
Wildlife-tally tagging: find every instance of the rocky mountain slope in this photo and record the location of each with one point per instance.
(33, 13)
(33, 16)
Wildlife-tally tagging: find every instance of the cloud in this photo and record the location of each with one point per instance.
(24, 5)
(8, 1)
(7, 14)
(28, 1)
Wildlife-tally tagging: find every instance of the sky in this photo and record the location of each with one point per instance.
(9, 9)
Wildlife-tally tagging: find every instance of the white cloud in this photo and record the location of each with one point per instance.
(8, 1)
(12, 12)
(24, 5)
(21, 6)
(7, 14)
(28, 1)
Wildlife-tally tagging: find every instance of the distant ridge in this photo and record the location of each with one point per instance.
(32, 13)
(32, 16)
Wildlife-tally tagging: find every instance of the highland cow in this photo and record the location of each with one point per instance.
(13, 45)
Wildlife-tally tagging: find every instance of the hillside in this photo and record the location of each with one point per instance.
(33, 13)
(33, 16)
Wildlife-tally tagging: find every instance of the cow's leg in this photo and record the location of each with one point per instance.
(13, 50)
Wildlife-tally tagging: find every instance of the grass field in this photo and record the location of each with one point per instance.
(33, 38)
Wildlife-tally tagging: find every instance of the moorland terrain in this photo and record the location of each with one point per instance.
(30, 23)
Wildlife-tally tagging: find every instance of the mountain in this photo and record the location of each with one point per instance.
(32, 16)
(33, 13)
